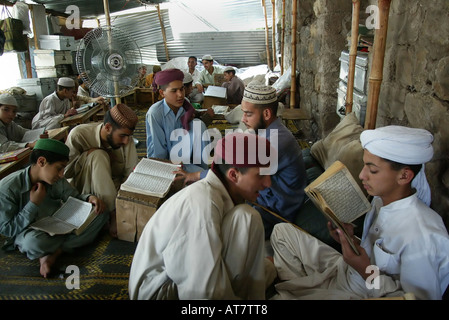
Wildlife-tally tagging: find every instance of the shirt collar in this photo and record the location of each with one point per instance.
(98, 135)
(167, 110)
(215, 182)
(26, 178)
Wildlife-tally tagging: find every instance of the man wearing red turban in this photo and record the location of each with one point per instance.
(170, 122)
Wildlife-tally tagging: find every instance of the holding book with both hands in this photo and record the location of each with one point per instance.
(74, 215)
(336, 193)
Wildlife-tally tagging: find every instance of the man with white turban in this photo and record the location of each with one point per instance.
(404, 245)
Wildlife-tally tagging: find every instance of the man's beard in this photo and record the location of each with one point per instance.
(260, 124)
(110, 141)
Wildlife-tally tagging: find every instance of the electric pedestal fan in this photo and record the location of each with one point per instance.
(107, 60)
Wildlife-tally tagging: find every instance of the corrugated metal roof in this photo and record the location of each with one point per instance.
(92, 8)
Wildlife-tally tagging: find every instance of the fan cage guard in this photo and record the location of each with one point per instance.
(108, 60)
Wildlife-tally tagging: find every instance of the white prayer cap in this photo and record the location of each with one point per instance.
(187, 78)
(207, 57)
(404, 145)
(259, 93)
(228, 69)
(7, 99)
(66, 82)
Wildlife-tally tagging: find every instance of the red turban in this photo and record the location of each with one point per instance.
(244, 150)
(165, 77)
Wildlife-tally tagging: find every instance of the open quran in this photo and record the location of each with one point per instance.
(73, 216)
(336, 193)
(151, 177)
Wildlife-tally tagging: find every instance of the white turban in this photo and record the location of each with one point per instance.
(404, 145)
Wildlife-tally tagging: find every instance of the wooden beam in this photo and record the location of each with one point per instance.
(293, 76)
(161, 22)
(273, 29)
(352, 54)
(267, 46)
(28, 59)
(375, 78)
(282, 36)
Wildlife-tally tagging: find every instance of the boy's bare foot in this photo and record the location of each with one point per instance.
(47, 262)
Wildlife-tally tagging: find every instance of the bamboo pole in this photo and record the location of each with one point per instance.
(293, 66)
(273, 29)
(161, 22)
(282, 36)
(375, 78)
(267, 46)
(352, 54)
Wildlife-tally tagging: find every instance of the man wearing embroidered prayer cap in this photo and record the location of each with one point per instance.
(404, 241)
(286, 194)
(207, 75)
(213, 248)
(102, 155)
(56, 106)
(172, 131)
(36, 192)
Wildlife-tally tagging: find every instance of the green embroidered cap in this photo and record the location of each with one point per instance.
(52, 145)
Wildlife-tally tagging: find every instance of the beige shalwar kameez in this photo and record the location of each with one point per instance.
(102, 171)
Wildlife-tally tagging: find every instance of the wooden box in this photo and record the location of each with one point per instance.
(134, 210)
(214, 95)
(57, 42)
(210, 101)
(51, 58)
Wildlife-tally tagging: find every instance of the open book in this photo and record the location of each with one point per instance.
(151, 177)
(215, 91)
(32, 135)
(74, 215)
(336, 193)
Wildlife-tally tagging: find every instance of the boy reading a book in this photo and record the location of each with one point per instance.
(56, 106)
(213, 248)
(35, 192)
(286, 194)
(404, 246)
(11, 133)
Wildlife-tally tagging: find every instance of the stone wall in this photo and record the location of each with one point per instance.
(415, 87)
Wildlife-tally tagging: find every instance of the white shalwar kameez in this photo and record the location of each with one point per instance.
(51, 112)
(404, 238)
(199, 245)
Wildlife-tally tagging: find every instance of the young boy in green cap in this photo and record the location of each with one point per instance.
(35, 192)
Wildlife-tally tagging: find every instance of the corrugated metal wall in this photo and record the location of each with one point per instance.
(241, 49)
(238, 48)
(143, 26)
